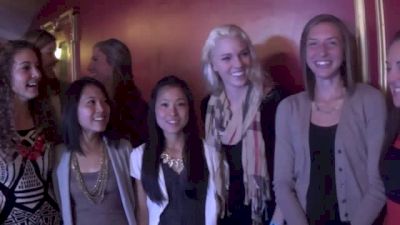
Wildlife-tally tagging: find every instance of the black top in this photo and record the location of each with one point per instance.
(390, 173)
(241, 214)
(322, 206)
(186, 204)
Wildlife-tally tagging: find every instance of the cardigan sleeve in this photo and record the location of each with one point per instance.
(284, 177)
(136, 162)
(375, 117)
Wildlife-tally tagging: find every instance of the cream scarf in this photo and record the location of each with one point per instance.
(221, 129)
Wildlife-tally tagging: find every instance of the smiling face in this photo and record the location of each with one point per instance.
(393, 72)
(324, 50)
(93, 110)
(231, 60)
(172, 110)
(25, 75)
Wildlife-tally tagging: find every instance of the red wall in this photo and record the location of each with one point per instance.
(392, 18)
(166, 36)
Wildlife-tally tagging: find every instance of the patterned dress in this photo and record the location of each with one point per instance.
(26, 195)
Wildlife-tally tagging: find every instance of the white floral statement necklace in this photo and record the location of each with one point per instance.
(175, 164)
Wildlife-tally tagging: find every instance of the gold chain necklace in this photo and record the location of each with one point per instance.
(176, 165)
(96, 194)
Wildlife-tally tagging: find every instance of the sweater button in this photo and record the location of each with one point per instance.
(340, 169)
(340, 151)
(344, 201)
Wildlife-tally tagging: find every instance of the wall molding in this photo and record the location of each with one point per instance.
(361, 39)
(381, 37)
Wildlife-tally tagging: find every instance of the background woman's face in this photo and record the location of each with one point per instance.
(48, 58)
(99, 67)
(393, 72)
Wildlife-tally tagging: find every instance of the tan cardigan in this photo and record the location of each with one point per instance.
(358, 142)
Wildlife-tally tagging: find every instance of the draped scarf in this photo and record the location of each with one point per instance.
(255, 173)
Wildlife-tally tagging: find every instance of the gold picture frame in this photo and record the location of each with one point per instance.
(66, 30)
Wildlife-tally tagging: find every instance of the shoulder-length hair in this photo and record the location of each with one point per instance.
(39, 107)
(257, 76)
(71, 129)
(348, 66)
(194, 158)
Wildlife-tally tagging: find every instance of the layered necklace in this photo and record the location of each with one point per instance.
(96, 193)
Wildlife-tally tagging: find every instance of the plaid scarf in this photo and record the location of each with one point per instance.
(255, 173)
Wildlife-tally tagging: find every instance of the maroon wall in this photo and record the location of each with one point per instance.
(166, 36)
(392, 18)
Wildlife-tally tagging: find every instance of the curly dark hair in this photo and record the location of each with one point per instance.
(39, 107)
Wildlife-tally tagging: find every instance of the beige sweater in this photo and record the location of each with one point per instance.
(358, 142)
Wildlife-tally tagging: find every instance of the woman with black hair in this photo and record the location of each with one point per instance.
(174, 169)
(92, 179)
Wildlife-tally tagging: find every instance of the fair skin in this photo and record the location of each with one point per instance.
(393, 72)
(172, 114)
(324, 56)
(100, 69)
(48, 58)
(231, 60)
(25, 77)
(93, 116)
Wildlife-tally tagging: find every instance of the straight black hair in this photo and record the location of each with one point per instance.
(194, 158)
(71, 129)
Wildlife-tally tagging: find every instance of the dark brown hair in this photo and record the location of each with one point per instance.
(39, 107)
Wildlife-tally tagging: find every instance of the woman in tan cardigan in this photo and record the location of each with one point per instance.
(329, 137)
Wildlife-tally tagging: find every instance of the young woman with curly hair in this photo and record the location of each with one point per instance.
(27, 134)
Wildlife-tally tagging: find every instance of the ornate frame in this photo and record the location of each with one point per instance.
(66, 30)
